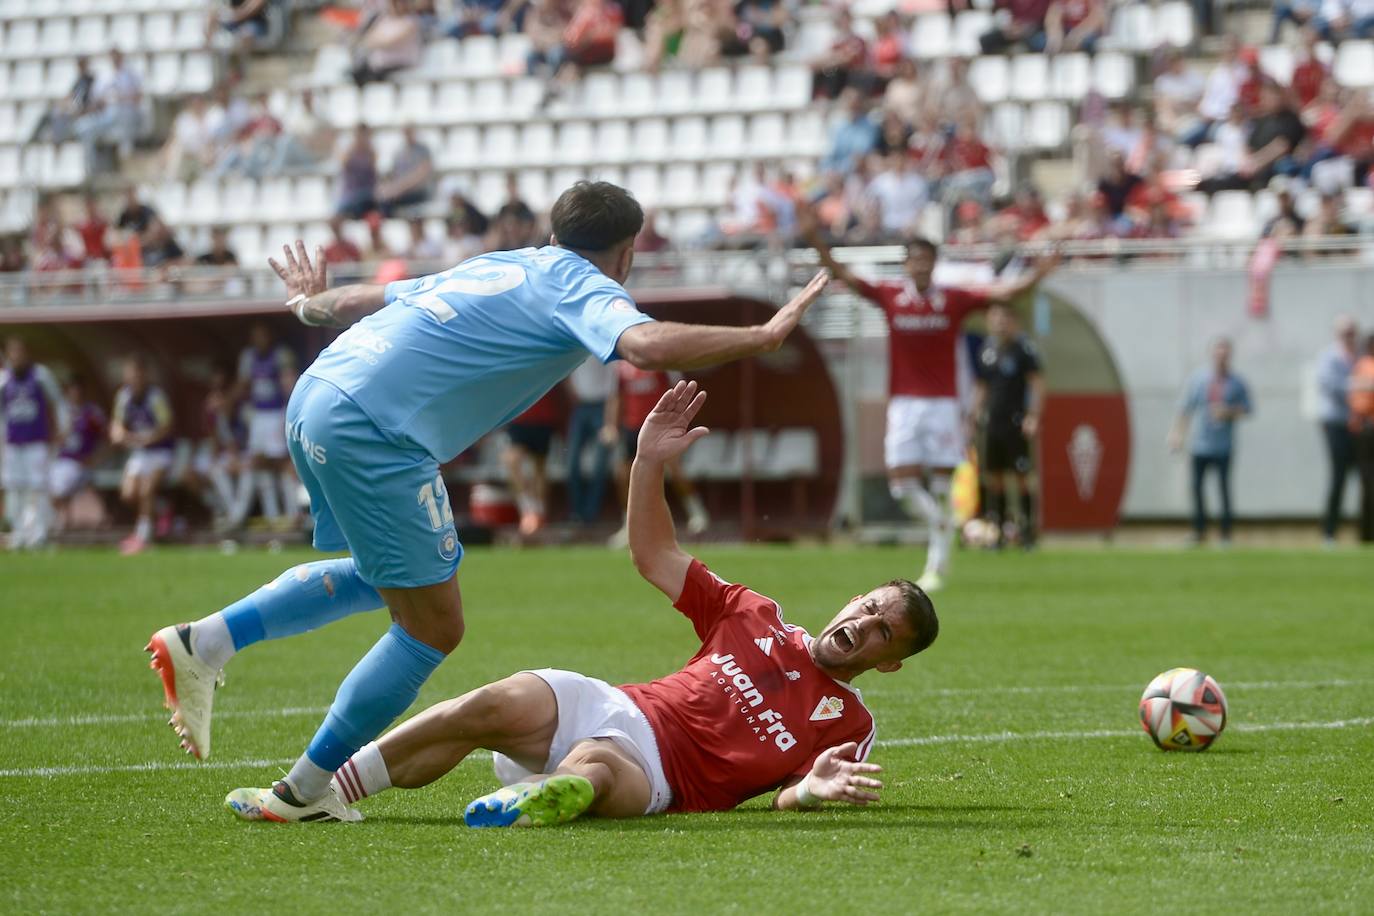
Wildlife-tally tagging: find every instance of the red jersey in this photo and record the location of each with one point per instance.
(543, 412)
(751, 710)
(640, 390)
(1308, 77)
(922, 335)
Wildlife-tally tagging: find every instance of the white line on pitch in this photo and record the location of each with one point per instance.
(157, 765)
(997, 737)
(289, 711)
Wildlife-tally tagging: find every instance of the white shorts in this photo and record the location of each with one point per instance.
(924, 431)
(145, 461)
(267, 433)
(210, 457)
(26, 466)
(591, 708)
(66, 476)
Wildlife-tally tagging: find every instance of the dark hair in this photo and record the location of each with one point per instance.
(921, 243)
(1369, 345)
(595, 216)
(920, 611)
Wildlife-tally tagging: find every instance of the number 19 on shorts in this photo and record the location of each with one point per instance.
(434, 498)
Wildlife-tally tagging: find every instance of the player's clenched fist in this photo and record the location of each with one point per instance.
(668, 430)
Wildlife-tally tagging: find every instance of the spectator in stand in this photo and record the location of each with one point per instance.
(1361, 401)
(1214, 400)
(1074, 25)
(305, 140)
(93, 229)
(650, 240)
(56, 124)
(889, 49)
(1305, 14)
(136, 216)
(254, 144)
(515, 225)
(663, 33)
(461, 240)
(1159, 221)
(219, 254)
(845, 64)
(1019, 23)
(760, 29)
(116, 114)
(953, 96)
(487, 17)
(1177, 92)
(161, 250)
(1117, 184)
(905, 95)
(358, 176)
(410, 180)
(1309, 72)
(392, 41)
(588, 40)
(340, 250)
(244, 21)
(709, 26)
(852, 138)
(966, 227)
(475, 220)
(1345, 150)
(12, 259)
(1025, 218)
(1274, 137)
(545, 23)
(1333, 385)
(1342, 19)
(831, 205)
(190, 144)
(1287, 223)
(1327, 221)
(896, 198)
(1220, 93)
(423, 249)
(967, 163)
(894, 135)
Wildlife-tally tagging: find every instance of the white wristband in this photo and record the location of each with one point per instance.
(805, 798)
(297, 306)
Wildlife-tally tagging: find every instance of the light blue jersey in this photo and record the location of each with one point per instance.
(457, 354)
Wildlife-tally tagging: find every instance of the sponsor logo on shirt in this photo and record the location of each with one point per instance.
(828, 708)
(935, 322)
(623, 305)
(741, 690)
(448, 544)
(364, 344)
(313, 450)
(765, 644)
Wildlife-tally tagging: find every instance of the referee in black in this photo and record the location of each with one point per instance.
(1009, 394)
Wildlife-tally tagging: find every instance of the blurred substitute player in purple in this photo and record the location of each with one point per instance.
(219, 459)
(267, 373)
(141, 423)
(34, 415)
(85, 443)
(426, 368)
(1008, 398)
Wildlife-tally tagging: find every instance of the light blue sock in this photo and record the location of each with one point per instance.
(299, 600)
(376, 691)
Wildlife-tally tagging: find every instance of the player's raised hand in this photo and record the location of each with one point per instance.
(787, 317)
(302, 278)
(668, 431)
(837, 776)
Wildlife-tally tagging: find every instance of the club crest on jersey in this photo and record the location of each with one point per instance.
(765, 644)
(828, 708)
(448, 544)
(793, 675)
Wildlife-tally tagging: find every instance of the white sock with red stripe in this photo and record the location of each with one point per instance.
(362, 775)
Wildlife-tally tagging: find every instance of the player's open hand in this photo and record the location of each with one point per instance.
(788, 317)
(302, 278)
(837, 776)
(668, 431)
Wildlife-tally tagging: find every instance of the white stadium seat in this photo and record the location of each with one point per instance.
(1174, 24)
(674, 93)
(968, 28)
(452, 102)
(159, 32)
(688, 139)
(1232, 215)
(768, 135)
(165, 76)
(932, 35)
(753, 88)
(1355, 64)
(1277, 62)
(643, 181)
(21, 37)
(461, 149)
(716, 178)
(378, 101)
(124, 32)
(1049, 125)
(311, 198)
(1070, 76)
(537, 143)
(792, 87)
(636, 94)
(416, 104)
(1006, 126)
(343, 105)
(197, 72)
(576, 143)
(715, 88)
(681, 185)
(600, 95)
(989, 78)
(57, 38)
(1030, 77)
(478, 55)
(727, 136)
(90, 35)
(489, 98)
(613, 141)
(498, 144)
(650, 139)
(1114, 74)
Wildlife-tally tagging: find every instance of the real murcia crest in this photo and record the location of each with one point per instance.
(828, 708)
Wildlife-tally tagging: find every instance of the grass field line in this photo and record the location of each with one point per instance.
(998, 737)
(289, 711)
(992, 738)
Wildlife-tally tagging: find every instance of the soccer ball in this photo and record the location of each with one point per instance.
(1183, 710)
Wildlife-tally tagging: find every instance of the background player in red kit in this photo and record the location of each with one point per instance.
(528, 440)
(761, 706)
(925, 438)
(632, 400)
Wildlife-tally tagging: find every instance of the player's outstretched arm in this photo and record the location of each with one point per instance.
(309, 297)
(809, 226)
(835, 776)
(665, 435)
(1006, 292)
(673, 345)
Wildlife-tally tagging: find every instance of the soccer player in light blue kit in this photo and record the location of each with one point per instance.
(425, 368)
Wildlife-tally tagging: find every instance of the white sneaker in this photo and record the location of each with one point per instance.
(697, 519)
(268, 805)
(188, 686)
(930, 582)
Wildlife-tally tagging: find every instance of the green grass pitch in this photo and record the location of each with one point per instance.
(1018, 779)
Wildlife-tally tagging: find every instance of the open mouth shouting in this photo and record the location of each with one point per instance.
(844, 639)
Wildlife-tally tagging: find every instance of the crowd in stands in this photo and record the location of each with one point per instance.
(909, 146)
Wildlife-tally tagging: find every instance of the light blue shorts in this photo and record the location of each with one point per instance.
(384, 502)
